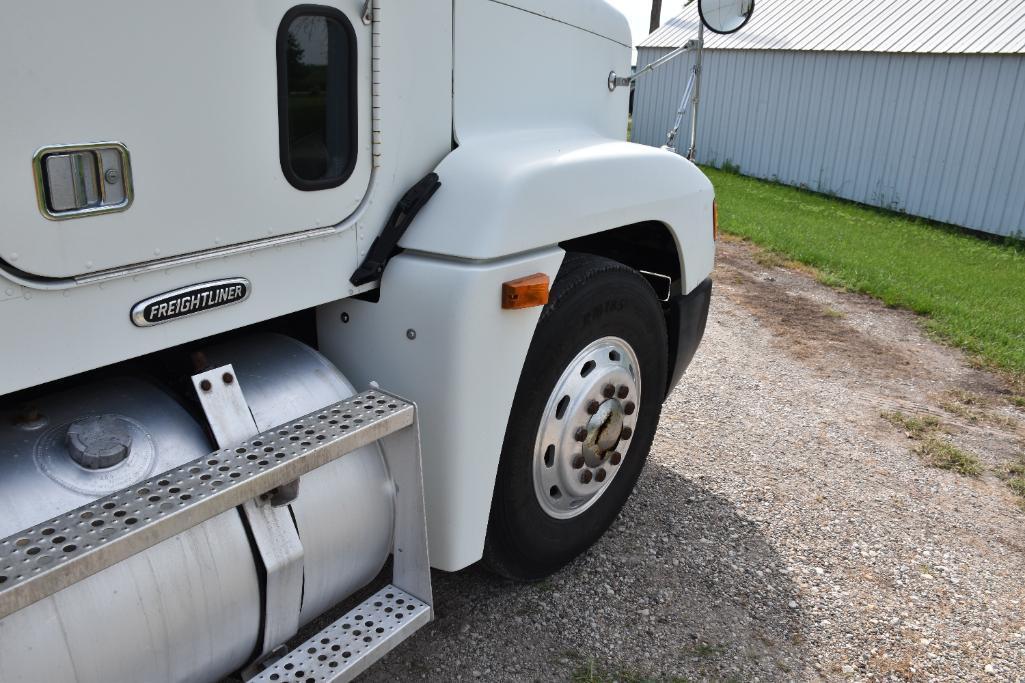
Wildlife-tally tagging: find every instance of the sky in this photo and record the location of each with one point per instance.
(639, 12)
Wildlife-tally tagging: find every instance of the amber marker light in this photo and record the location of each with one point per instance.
(715, 220)
(525, 292)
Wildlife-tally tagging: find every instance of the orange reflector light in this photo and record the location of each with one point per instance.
(525, 292)
(715, 220)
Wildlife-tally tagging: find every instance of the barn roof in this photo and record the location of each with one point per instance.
(915, 26)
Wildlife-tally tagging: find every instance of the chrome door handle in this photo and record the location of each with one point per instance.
(82, 180)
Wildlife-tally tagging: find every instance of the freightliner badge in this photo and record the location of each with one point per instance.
(190, 301)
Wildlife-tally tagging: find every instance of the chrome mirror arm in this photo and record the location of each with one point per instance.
(615, 81)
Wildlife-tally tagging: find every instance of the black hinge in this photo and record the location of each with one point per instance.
(385, 245)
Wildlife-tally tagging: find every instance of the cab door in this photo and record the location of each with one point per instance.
(136, 131)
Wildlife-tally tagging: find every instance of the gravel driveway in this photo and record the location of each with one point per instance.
(783, 530)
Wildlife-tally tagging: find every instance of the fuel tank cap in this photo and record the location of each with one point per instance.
(99, 441)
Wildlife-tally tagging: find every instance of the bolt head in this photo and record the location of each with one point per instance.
(608, 391)
(580, 434)
(626, 434)
(623, 391)
(600, 475)
(616, 458)
(411, 334)
(629, 407)
(227, 378)
(205, 385)
(578, 462)
(593, 407)
(585, 477)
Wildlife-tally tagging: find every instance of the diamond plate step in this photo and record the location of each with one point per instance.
(350, 645)
(37, 562)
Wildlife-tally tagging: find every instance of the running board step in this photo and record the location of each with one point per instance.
(349, 646)
(101, 534)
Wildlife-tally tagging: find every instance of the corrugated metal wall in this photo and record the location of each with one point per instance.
(939, 136)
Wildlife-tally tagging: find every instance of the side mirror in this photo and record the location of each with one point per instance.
(725, 16)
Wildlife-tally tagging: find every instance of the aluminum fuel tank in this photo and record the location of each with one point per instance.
(187, 609)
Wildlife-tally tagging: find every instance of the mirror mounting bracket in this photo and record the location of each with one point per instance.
(615, 80)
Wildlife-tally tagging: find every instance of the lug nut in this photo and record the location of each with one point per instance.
(623, 392)
(626, 434)
(600, 476)
(629, 408)
(615, 459)
(585, 477)
(578, 462)
(608, 391)
(580, 434)
(592, 407)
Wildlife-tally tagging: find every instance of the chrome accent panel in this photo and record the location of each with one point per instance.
(122, 524)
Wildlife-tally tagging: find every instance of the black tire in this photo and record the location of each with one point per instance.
(592, 298)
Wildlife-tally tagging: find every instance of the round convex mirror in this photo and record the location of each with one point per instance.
(725, 16)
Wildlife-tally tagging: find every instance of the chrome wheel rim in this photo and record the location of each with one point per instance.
(586, 427)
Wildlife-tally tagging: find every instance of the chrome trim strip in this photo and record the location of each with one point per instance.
(200, 256)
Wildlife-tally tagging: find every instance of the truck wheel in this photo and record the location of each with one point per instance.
(582, 422)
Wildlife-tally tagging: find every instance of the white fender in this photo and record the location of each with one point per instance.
(439, 336)
(515, 192)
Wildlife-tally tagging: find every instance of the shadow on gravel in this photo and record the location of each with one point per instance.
(681, 588)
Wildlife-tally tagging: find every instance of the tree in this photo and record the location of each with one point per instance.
(656, 16)
(294, 54)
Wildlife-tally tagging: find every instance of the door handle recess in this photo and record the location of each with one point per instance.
(82, 180)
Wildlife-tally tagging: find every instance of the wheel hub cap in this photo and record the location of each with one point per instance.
(603, 432)
(586, 427)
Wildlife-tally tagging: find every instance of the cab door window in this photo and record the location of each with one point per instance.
(317, 97)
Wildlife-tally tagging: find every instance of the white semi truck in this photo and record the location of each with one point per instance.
(290, 290)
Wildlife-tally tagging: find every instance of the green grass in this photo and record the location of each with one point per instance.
(1018, 486)
(947, 456)
(916, 427)
(971, 289)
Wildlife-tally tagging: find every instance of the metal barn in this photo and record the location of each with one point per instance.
(911, 105)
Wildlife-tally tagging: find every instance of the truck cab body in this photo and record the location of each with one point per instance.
(321, 198)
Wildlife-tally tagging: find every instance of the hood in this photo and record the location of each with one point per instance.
(595, 16)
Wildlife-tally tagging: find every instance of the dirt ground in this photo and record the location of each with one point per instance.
(784, 528)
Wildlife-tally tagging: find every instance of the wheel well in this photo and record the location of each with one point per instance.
(648, 247)
(651, 249)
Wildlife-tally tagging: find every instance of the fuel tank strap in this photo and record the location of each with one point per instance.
(55, 554)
